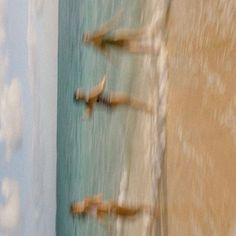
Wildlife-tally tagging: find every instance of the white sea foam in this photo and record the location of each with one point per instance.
(155, 72)
(122, 196)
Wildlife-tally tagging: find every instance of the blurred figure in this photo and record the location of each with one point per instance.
(96, 207)
(110, 101)
(130, 40)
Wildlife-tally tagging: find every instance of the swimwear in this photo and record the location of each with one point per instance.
(93, 211)
(108, 40)
(104, 100)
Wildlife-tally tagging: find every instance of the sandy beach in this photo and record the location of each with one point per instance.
(201, 130)
(201, 121)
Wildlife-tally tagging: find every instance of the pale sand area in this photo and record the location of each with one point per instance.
(201, 124)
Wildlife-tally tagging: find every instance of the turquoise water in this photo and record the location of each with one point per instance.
(89, 152)
(92, 153)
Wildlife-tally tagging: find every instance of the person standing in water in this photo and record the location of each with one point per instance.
(96, 207)
(113, 100)
(129, 40)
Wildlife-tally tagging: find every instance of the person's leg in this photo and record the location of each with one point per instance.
(124, 211)
(118, 100)
(125, 34)
(143, 48)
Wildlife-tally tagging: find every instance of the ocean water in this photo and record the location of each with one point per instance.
(112, 153)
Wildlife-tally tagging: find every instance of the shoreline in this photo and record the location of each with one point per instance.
(147, 148)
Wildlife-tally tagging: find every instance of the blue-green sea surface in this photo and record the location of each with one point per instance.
(89, 151)
(92, 153)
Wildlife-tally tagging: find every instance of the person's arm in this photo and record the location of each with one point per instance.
(106, 52)
(108, 26)
(97, 90)
(88, 112)
(97, 199)
(130, 34)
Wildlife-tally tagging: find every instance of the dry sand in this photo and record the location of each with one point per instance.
(201, 150)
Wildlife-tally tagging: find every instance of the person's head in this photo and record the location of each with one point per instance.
(79, 95)
(78, 209)
(87, 38)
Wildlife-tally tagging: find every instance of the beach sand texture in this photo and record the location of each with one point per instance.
(201, 124)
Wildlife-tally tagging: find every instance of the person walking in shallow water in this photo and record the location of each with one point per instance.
(96, 207)
(129, 40)
(113, 100)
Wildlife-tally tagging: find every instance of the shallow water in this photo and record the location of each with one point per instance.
(93, 154)
(112, 153)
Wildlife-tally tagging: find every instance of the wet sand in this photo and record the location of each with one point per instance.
(201, 124)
